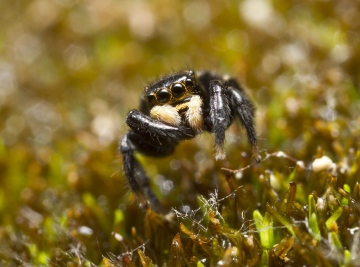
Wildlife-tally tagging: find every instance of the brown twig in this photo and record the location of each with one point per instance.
(278, 154)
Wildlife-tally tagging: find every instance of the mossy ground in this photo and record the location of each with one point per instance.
(70, 71)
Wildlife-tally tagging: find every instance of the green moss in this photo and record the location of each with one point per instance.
(71, 70)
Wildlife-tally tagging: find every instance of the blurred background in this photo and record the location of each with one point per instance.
(70, 70)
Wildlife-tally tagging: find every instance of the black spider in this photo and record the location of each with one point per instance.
(178, 107)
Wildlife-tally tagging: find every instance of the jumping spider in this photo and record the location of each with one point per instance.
(178, 107)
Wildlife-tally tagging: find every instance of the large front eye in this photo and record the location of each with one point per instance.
(163, 96)
(178, 89)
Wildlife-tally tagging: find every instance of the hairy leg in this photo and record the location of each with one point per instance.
(245, 110)
(150, 137)
(159, 132)
(137, 178)
(220, 115)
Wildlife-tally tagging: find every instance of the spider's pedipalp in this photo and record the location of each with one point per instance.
(194, 114)
(166, 113)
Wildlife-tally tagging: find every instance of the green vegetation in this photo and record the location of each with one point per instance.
(71, 70)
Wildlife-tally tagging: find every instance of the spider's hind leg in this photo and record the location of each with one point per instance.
(245, 110)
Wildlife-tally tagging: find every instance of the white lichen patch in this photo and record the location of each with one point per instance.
(323, 164)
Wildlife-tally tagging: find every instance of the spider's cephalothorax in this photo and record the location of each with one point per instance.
(178, 107)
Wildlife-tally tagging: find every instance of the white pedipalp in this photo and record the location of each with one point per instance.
(166, 113)
(194, 113)
(171, 115)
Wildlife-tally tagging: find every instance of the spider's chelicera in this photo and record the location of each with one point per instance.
(178, 107)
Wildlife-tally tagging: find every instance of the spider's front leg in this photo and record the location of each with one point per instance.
(220, 116)
(137, 177)
(149, 137)
(226, 101)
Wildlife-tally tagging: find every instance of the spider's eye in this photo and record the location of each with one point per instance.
(163, 96)
(188, 82)
(150, 98)
(178, 89)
